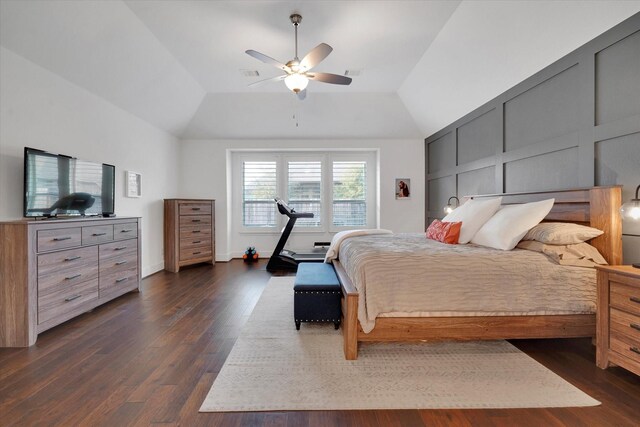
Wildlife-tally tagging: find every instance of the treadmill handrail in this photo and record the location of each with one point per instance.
(285, 209)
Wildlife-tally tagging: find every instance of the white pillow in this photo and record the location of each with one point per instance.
(509, 225)
(473, 214)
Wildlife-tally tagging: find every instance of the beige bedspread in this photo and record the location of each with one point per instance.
(409, 275)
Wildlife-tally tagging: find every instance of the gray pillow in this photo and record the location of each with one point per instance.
(561, 233)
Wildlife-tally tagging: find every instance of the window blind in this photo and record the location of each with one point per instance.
(349, 193)
(259, 186)
(304, 192)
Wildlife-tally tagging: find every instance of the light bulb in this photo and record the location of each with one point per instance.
(296, 82)
(631, 210)
(448, 209)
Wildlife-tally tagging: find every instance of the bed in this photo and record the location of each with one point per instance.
(596, 207)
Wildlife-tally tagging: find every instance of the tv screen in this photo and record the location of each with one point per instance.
(55, 184)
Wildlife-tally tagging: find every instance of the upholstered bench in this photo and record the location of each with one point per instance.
(316, 294)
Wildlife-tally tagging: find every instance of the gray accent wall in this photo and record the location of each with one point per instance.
(574, 124)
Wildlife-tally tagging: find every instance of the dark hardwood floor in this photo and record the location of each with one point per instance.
(150, 358)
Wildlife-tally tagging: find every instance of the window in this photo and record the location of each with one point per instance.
(258, 192)
(349, 194)
(337, 187)
(304, 190)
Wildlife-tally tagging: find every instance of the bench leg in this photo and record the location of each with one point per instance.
(336, 325)
(297, 325)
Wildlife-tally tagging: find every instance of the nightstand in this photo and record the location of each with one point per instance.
(618, 317)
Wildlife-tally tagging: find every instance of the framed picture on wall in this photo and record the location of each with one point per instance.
(134, 184)
(403, 188)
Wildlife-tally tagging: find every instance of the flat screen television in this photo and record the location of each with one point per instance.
(55, 184)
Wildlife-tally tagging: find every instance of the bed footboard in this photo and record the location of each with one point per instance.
(349, 313)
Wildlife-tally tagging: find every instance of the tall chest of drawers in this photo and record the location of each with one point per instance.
(618, 317)
(54, 270)
(189, 232)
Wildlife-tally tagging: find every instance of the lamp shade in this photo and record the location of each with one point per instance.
(631, 209)
(296, 82)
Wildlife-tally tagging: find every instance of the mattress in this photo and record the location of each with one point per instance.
(406, 275)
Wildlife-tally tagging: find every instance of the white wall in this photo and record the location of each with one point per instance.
(487, 47)
(41, 110)
(204, 174)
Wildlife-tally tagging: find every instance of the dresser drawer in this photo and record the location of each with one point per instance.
(625, 346)
(50, 240)
(187, 220)
(625, 324)
(115, 264)
(52, 278)
(195, 242)
(195, 208)
(625, 297)
(126, 230)
(64, 300)
(126, 276)
(53, 262)
(97, 234)
(197, 231)
(196, 253)
(124, 248)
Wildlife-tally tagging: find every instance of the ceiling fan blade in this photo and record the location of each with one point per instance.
(329, 78)
(316, 56)
(302, 95)
(267, 60)
(272, 79)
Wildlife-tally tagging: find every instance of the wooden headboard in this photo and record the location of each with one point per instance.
(596, 207)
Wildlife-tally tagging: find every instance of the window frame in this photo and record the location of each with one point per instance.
(282, 157)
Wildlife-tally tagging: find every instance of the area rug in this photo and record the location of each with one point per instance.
(273, 367)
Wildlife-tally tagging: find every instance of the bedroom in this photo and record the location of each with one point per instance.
(128, 82)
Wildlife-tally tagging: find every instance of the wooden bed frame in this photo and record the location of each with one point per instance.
(597, 207)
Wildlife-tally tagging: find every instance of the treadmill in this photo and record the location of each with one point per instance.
(285, 259)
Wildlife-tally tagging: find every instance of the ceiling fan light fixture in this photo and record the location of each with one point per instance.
(296, 82)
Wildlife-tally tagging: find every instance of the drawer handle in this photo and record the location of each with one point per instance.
(195, 231)
(60, 239)
(635, 326)
(197, 241)
(73, 258)
(635, 349)
(121, 262)
(195, 220)
(122, 280)
(126, 231)
(196, 253)
(634, 299)
(99, 234)
(120, 248)
(73, 277)
(195, 209)
(71, 298)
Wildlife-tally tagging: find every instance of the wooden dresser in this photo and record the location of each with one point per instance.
(618, 318)
(189, 232)
(53, 270)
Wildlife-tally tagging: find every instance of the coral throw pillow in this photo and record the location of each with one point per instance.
(445, 232)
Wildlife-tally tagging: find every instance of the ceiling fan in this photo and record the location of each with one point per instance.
(297, 71)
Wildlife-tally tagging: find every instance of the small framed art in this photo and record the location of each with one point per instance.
(134, 184)
(403, 188)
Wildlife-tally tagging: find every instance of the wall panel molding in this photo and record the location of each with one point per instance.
(548, 131)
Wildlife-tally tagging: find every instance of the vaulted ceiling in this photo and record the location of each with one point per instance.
(179, 64)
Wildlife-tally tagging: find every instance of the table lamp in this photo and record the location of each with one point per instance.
(630, 211)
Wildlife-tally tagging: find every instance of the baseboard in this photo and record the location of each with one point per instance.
(239, 254)
(148, 271)
(226, 257)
